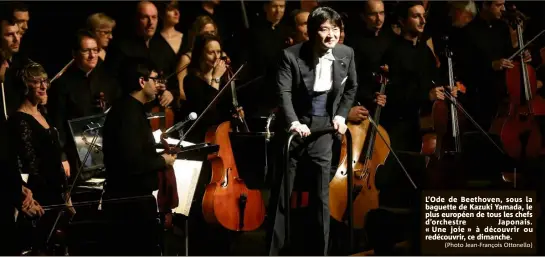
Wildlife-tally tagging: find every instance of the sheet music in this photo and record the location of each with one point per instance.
(187, 174)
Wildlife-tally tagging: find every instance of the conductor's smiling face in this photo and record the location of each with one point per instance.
(328, 35)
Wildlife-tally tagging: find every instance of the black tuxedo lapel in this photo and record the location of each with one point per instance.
(307, 67)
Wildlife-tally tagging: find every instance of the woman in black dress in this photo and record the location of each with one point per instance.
(206, 76)
(37, 147)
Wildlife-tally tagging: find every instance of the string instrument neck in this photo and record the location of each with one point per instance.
(238, 115)
(383, 80)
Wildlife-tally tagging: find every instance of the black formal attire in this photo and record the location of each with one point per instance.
(10, 193)
(300, 102)
(369, 50)
(199, 94)
(485, 42)
(264, 48)
(132, 165)
(12, 90)
(128, 49)
(39, 154)
(412, 69)
(411, 74)
(75, 95)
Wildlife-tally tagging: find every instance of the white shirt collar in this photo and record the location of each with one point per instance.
(328, 55)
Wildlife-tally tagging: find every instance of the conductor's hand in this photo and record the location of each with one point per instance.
(357, 114)
(340, 126)
(302, 129)
(169, 158)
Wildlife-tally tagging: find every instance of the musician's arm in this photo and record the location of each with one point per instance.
(57, 107)
(284, 82)
(350, 89)
(184, 61)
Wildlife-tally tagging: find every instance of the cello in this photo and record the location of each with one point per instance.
(365, 192)
(446, 125)
(227, 201)
(520, 133)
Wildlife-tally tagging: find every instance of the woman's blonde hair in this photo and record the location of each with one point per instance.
(100, 21)
(197, 26)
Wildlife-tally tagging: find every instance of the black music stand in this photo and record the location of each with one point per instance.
(197, 152)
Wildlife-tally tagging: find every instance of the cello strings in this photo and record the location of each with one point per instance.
(450, 97)
(391, 150)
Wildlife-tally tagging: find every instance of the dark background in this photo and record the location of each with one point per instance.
(52, 23)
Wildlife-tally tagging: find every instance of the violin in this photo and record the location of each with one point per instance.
(167, 120)
(520, 133)
(167, 195)
(365, 191)
(227, 200)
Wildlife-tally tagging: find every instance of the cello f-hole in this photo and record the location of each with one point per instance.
(225, 182)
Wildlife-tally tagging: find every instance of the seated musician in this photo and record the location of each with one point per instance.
(202, 25)
(132, 164)
(36, 143)
(206, 74)
(102, 26)
(79, 92)
(310, 99)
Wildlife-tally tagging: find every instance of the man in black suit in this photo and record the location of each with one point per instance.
(317, 84)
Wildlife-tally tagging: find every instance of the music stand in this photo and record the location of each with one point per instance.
(187, 169)
(83, 130)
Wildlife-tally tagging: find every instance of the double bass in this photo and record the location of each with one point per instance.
(227, 200)
(365, 191)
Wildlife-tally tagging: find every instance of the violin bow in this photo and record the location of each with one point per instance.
(62, 71)
(223, 89)
(526, 45)
(4, 100)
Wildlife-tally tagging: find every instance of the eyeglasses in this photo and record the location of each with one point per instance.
(159, 80)
(36, 82)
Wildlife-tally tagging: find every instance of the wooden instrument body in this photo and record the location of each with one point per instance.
(520, 133)
(520, 121)
(365, 191)
(365, 194)
(162, 123)
(442, 124)
(167, 195)
(227, 201)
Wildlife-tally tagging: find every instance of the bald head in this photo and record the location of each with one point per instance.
(147, 16)
(374, 14)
